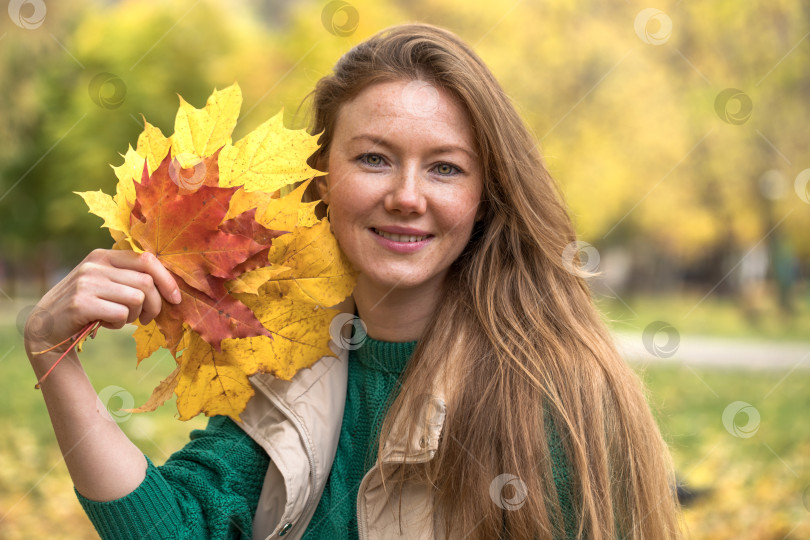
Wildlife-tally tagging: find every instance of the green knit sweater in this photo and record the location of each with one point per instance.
(374, 370)
(210, 488)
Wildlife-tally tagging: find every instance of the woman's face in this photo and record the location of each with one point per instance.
(404, 183)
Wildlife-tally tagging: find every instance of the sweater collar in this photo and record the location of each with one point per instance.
(386, 356)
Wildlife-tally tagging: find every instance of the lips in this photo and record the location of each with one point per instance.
(396, 229)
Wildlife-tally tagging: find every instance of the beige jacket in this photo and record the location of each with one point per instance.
(298, 423)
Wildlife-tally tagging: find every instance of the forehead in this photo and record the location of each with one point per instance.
(416, 109)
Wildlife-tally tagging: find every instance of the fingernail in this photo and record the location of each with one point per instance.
(176, 298)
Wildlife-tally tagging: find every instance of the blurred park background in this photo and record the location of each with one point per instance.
(678, 134)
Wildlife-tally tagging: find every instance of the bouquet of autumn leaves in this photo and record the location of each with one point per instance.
(257, 271)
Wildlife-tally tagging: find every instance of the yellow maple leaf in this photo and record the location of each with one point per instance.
(308, 266)
(106, 207)
(251, 282)
(293, 326)
(201, 132)
(274, 212)
(148, 339)
(152, 146)
(128, 173)
(212, 382)
(268, 158)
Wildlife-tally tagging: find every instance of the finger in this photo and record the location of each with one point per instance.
(140, 280)
(111, 314)
(92, 282)
(131, 298)
(147, 262)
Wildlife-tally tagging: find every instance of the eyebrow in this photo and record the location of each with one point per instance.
(438, 150)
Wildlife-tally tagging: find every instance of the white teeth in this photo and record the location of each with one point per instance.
(400, 237)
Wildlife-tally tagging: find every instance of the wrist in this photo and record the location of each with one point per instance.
(38, 333)
(48, 369)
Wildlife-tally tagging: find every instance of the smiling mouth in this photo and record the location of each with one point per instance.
(404, 238)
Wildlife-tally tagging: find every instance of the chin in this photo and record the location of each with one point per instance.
(396, 281)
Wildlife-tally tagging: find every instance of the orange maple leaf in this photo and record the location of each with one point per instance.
(182, 225)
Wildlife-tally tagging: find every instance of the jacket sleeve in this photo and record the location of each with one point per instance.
(208, 489)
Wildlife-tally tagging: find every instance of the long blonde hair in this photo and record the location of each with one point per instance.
(526, 341)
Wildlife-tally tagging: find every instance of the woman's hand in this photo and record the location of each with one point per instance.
(112, 286)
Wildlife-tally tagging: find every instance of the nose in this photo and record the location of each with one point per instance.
(405, 195)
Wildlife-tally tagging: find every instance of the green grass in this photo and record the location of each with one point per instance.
(715, 315)
(757, 483)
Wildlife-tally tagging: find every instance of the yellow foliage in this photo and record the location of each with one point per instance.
(292, 347)
(152, 146)
(212, 382)
(261, 161)
(148, 339)
(106, 207)
(200, 132)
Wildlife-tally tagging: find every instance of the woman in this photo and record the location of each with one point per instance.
(487, 399)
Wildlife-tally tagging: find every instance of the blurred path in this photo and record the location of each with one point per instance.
(718, 352)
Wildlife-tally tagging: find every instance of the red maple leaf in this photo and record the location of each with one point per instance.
(181, 223)
(213, 317)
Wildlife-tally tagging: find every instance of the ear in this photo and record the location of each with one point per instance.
(323, 189)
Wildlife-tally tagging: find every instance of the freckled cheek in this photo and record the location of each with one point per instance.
(459, 215)
(346, 239)
(353, 191)
(348, 219)
(340, 185)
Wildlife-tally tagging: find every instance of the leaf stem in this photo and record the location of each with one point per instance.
(77, 338)
(49, 349)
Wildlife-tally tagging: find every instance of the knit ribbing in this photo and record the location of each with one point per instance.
(384, 356)
(208, 489)
(132, 515)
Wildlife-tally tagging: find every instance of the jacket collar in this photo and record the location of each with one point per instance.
(298, 423)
